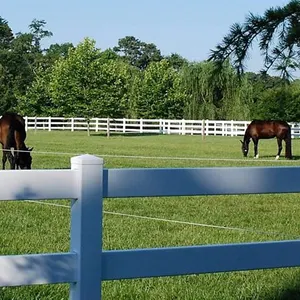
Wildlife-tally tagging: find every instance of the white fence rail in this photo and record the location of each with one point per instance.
(86, 265)
(154, 126)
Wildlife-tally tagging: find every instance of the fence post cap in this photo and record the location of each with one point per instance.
(86, 159)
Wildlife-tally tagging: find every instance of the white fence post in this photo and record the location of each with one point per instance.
(183, 127)
(108, 127)
(49, 124)
(97, 125)
(124, 126)
(35, 121)
(161, 129)
(26, 123)
(72, 124)
(86, 227)
(141, 125)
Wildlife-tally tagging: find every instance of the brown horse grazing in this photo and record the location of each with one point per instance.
(12, 138)
(259, 129)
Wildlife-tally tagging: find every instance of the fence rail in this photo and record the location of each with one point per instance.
(86, 265)
(154, 126)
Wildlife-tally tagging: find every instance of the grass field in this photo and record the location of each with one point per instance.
(35, 228)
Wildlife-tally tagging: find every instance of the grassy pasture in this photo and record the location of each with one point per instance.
(35, 228)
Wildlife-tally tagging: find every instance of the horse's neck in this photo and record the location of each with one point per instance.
(247, 137)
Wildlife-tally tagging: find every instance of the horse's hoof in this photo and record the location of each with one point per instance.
(256, 156)
(277, 157)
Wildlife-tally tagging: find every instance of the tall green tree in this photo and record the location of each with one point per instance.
(136, 52)
(38, 31)
(278, 33)
(6, 34)
(56, 51)
(281, 103)
(157, 92)
(20, 56)
(85, 84)
(176, 61)
(215, 97)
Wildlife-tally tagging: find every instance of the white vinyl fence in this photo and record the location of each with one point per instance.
(86, 265)
(140, 126)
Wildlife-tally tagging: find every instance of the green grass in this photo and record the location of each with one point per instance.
(35, 228)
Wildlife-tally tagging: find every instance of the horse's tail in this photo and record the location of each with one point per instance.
(288, 144)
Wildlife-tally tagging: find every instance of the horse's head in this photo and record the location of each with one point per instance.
(245, 147)
(24, 159)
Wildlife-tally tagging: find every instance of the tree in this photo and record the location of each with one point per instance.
(86, 84)
(157, 93)
(176, 61)
(6, 34)
(38, 32)
(137, 53)
(215, 97)
(37, 100)
(281, 103)
(278, 32)
(54, 52)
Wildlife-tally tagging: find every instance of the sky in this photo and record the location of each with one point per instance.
(190, 28)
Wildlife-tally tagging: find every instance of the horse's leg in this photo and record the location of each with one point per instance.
(4, 159)
(255, 142)
(11, 159)
(279, 142)
(288, 147)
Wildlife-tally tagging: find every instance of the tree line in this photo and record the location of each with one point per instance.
(131, 80)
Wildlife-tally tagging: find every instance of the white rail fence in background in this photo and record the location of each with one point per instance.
(154, 126)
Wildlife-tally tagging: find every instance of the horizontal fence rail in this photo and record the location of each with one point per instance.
(151, 126)
(87, 264)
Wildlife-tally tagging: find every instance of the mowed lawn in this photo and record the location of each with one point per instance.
(28, 227)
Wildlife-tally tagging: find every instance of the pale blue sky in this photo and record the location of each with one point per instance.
(190, 28)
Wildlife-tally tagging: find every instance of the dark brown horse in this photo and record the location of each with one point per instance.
(259, 129)
(12, 138)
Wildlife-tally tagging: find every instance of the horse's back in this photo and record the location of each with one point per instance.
(11, 123)
(265, 129)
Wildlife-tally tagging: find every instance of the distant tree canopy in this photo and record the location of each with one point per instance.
(137, 53)
(134, 80)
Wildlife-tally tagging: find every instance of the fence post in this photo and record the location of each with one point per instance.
(35, 120)
(86, 226)
(108, 127)
(141, 125)
(49, 124)
(124, 126)
(183, 127)
(97, 124)
(161, 130)
(72, 124)
(203, 129)
(26, 123)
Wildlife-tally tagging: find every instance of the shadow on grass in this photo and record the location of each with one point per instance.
(291, 292)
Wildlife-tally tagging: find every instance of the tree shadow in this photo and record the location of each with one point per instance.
(291, 292)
